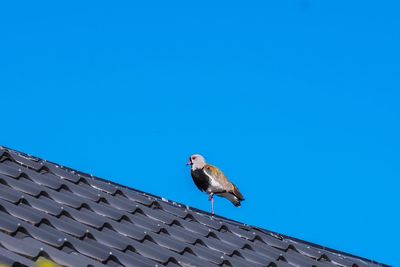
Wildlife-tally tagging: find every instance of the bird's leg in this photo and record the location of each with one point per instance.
(212, 205)
(211, 197)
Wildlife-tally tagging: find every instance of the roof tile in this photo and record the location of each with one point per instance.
(19, 246)
(130, 231)
(23, 185)
(23, 212)
(120, 203)
(8, 224)
(144, 222)
(62, 173)
(103, 186)
(8, 258)
(28, 162)
(44, 179)
(207, 254)
(44, 204)
(68, 226)
(133, 259)
(73, 259)
(6, 170)
(173, 209)
(9, 194)
(137, 197)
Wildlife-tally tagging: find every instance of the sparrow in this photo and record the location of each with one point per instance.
(211, 180)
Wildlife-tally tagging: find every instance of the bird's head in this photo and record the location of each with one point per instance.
(197, 161)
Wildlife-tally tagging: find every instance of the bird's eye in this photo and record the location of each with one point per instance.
(193, 158)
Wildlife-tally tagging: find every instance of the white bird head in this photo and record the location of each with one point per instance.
(197, 161)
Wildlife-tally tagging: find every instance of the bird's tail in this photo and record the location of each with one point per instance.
(232, 198)
(237, 193)
(235, 196)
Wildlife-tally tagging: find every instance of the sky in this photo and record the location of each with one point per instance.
(296, 101)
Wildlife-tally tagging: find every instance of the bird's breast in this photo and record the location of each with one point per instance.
(200, 179)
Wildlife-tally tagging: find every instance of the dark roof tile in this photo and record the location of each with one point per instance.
(144, 222)
(9, 194)
(19, 246)
(44, 204)
(103, 186)
(133, 259)
(239, 262)
(159, 215)
(23, 212)
(86, 216)
(230, 239)
(272, 240)
(152, 251)
(44, 179)
(130, 231)
(73, 259)
(298, 260)
(121, 203)
(190, 260)
(62, 173)
(207, 254)
(110, 239)
(45, 234)
(90, 248)
(254, 257)
(173, 209)
(22, 160)
(215, 244)
(64, 197)
(83, 192)
(8, 224)
(341, 260)
(107, 211)
(6, 170)
(68, 226)
(195, 227)
(280, 263)
(8, 258)
(207, 221)
(168, 242)
(267, 251)
(23, 185)
(137, 197)
(250, 235)
(181, 234)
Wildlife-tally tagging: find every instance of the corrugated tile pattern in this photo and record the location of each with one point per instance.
(74, 219)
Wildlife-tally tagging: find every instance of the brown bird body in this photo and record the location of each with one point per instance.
(213, 181)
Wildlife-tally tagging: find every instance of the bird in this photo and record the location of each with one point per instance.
(211, 180)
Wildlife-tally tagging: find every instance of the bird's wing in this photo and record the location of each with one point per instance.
(231, 191)
(219, 176)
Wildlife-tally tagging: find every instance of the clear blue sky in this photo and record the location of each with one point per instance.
(297, 101)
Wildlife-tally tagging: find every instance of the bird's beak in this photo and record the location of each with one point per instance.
(189, 163)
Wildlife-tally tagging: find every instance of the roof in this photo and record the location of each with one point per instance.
(75, 219)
